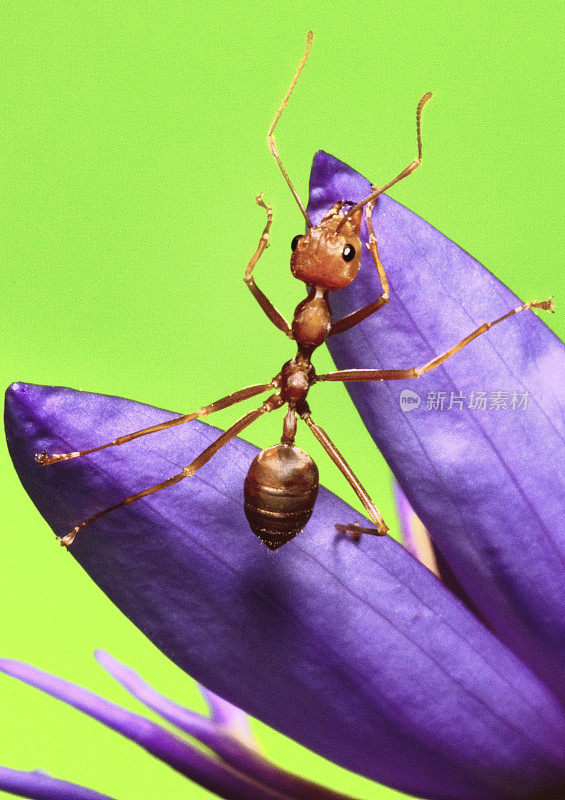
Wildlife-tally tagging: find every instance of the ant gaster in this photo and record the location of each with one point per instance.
(282, 483)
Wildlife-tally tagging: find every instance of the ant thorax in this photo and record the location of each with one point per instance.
(312, 320)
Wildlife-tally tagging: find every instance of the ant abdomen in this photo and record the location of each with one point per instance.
(280, 491)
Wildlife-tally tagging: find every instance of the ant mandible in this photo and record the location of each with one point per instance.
(282, 483)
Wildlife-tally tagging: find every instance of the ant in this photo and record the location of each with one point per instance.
(282, 482)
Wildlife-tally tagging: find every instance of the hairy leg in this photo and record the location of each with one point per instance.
(270, 404)
(415, 372)
(345, 469)
(230, 400)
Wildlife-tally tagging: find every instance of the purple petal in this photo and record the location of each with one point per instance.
(417, 541)
(415, 537)
(230, 717)
(217, 735)
(486, 484)
(40, 786)
(357, 652)
(196, 765)
(202, 728)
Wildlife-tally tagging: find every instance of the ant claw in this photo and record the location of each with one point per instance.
(68, 539)
(545, 305)
(44, 459)
(355, 530)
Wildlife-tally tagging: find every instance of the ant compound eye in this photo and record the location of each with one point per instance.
(295, 242)
(348, 252)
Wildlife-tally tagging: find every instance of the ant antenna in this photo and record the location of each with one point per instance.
(271, 138)
(421, 105)
(405, 172)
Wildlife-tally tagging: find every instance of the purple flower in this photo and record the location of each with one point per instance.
(487, 483)
(357, 651)
(236, 770)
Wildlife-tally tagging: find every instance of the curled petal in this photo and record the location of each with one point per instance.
(216, 734)
(39, 786)
(356, 651)
(485, 483)
(231, 718)
(202, 728)
(209, 772)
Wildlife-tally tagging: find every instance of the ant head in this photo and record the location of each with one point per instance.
(329, 255)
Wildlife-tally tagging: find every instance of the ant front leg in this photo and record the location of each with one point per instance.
(353, 528)
(362, 313)
(275, 316)
(415, 372)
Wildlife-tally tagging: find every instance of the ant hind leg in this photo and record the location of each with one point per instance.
(353, 528)
(271, 404)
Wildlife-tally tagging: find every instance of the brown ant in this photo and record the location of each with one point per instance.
(282, 482)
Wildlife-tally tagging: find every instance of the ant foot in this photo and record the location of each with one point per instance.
(43, 459)
(545, 305)
(355, 530)
(68, 539)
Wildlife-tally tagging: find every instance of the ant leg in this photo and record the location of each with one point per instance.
(224, 402)
(270, 404)
(275, 316)
(353, 528)
(405, 172)
(362, 313)
(415, 372)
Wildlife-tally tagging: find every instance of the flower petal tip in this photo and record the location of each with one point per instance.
(476, 449)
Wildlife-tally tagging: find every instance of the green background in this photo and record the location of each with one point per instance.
(133, 143)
